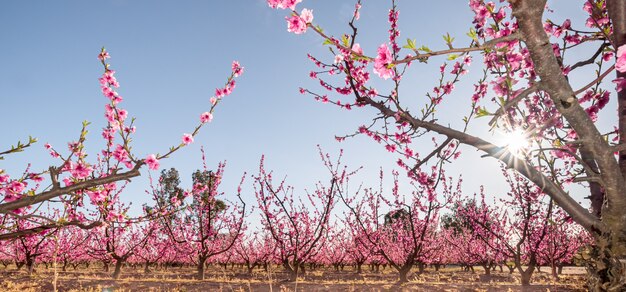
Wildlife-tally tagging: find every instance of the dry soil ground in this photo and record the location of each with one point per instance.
(326, 279)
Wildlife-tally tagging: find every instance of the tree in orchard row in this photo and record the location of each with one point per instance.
(298, 227)
(563, 242)
(27, 249)
(75, 178)
(407, 237)
(69, 247)
(520, 229)
(119, 238)
(254, 250)
(467, 247)
(157, 247)
(526, 73)
(359, 251)
(207, 226)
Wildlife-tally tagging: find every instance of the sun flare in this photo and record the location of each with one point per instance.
(516, 141)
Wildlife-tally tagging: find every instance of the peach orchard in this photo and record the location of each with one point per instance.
(72, 213)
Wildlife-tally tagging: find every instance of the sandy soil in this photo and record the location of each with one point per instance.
(325, 279)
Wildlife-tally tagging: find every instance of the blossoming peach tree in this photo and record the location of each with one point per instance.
(208, 226)
(525, 90)
(297, 226)
(75, 179)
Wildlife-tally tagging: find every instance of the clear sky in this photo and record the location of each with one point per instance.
(171, 55)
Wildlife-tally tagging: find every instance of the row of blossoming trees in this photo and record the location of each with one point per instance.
(433, 225)
(531, 86)
(545, 81)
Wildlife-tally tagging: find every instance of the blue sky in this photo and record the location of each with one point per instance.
(171, 55)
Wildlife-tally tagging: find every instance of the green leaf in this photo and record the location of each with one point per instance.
(472, 34)
(424, 49)
(449, 39)
(410, 44)
(482, 112)
(327, 42)
(452, 57)
(345, 40)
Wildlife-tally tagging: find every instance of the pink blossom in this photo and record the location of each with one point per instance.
(383, 59)
(338, 58)
(357, 49)
(103, 55)
(120, 153)
(448, 87)
(219, 93)
(620, 63)
(274, 3)
(122, 114)
(175, 201)
(4, 178)
(283, 4)
(237, 69)
(109, 113)
(306, 15)
(187, 139)
(16, 187)
(206, 117)
(96, 197)
(80, 170)
(296, 25)
(152, 162)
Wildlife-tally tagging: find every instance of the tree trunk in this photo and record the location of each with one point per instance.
(526, 277)
(487, 269)
(293, 274)
(606, 272)
(555, 274)
(359, 270)
(511, 269)
(200, 268)
(30, 266)
(420, 268)
(106, 266)
(403, 274)
(526, 274)
(146, 268)
(118, 269)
